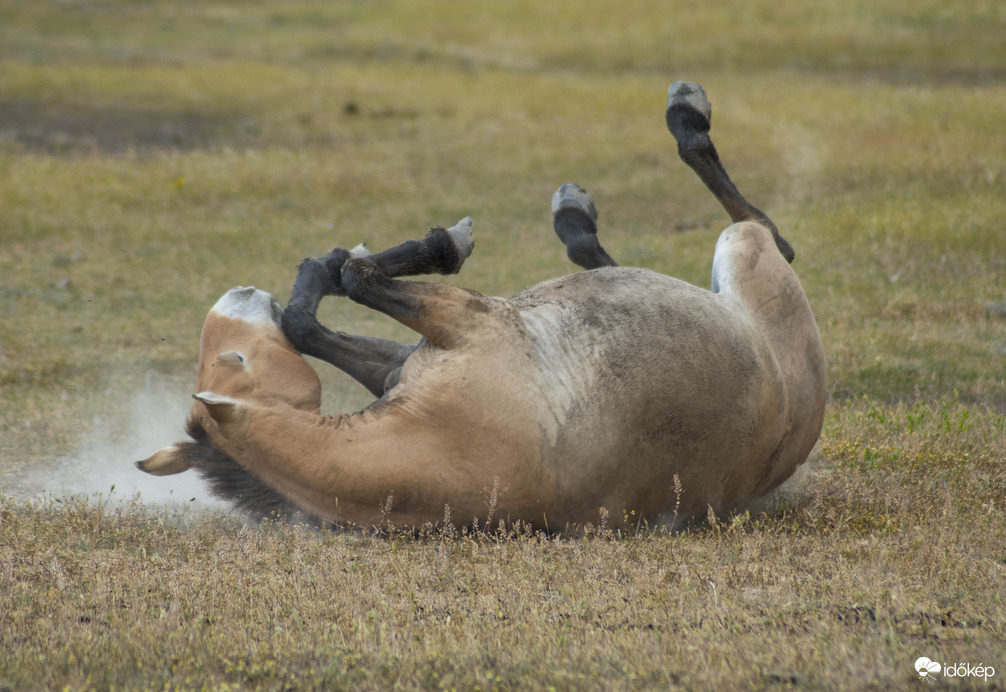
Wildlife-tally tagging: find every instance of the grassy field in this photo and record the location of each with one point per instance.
(153, 155)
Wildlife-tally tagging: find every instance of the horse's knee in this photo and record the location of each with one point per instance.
(314, 281)
(365, 283)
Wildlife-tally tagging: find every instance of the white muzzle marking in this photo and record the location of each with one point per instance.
(249, 304)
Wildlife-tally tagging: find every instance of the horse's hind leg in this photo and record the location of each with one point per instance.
(574, 218)
(688, 118)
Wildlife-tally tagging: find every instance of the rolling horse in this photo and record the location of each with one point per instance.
(615, 388)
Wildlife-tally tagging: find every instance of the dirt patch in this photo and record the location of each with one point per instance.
(84, 128)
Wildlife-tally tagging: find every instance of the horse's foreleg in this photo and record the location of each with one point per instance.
(368, 360)
(442, 251)
(372, 362)
(446, 316)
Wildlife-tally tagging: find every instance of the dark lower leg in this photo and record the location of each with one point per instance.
(372, 362)
(368, 360)
(441, 251)
(574, 219)
(688, 118)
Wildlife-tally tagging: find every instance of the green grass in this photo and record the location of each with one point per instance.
(153, 155)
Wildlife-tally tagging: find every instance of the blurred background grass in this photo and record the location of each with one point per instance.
(152, 155)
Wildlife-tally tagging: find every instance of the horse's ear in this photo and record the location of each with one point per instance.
(168, 461)
(221, 408)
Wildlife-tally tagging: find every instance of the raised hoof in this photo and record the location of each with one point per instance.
(461, 235)
(572, 196)
(360, 250)
(689, 95)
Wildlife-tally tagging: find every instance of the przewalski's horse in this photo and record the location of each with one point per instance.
(586, 392)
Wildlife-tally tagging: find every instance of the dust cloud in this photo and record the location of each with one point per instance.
(131, 429)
